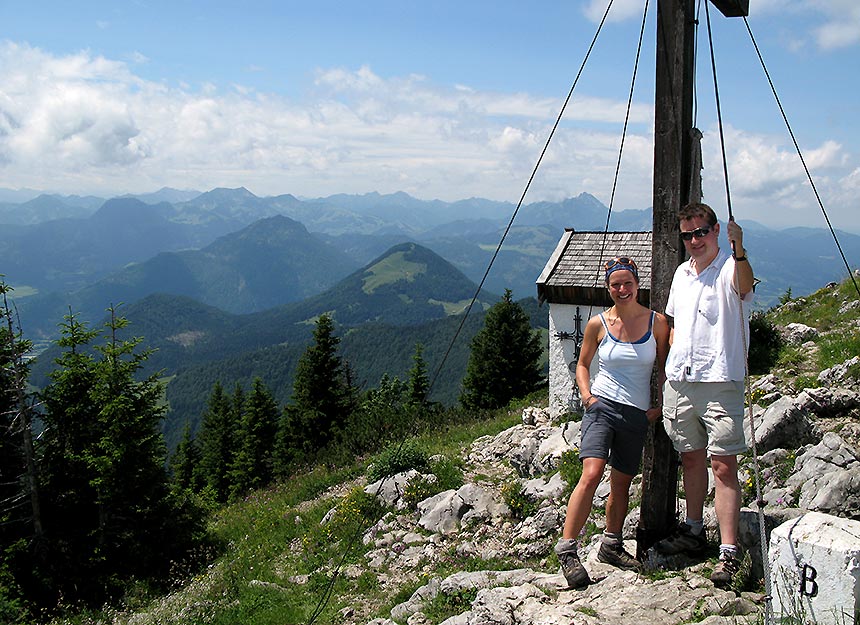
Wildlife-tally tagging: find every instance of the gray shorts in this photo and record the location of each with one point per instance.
(705, 415)
(614, 432)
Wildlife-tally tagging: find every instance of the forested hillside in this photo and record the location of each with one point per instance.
(271, 262)
(408, 295)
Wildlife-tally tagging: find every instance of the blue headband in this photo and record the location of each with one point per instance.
(618, 266)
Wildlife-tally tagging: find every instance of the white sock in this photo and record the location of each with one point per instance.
(696, 527)
(612, 538)
(730, 550)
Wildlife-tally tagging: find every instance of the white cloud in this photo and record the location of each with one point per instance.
(85, 124)
(620, 10)
(832, 24)
(768, 182)
(842, 27)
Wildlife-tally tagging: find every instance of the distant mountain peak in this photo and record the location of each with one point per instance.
(228, 192)
(122, 206)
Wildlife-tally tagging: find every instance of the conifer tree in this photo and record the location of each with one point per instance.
(504, 362)
(21, 535)
(419, 384)
(237, 408)
(287, 453)
(113, 515)
(321, 395)
(217, 439)
(72, 428)
(253, 465)
(185, 462)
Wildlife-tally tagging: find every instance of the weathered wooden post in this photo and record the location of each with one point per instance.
(673, 127)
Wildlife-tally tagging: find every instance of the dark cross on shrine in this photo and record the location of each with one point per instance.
(673, 140)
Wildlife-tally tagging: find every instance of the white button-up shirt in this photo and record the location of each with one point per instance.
(711, 323)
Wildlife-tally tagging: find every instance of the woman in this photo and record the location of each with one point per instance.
(628, 339)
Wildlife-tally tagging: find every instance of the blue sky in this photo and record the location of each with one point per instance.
(443, 100)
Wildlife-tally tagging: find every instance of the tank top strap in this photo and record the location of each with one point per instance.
(603, 321)
(651, 321)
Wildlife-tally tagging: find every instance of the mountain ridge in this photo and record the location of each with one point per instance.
(63, 256)
(273, 261)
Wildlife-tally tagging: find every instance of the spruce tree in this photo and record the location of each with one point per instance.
(217, 439)
(16, 478)
(113, 517)
(253, 465)
(21, 534)
(129, 457)
(72, 429)
(419, 384)
(321, 397)
(185, 462)
(288, 452)
(504, 362)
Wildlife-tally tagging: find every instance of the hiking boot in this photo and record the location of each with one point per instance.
(726, 570)
(682, 540)
(573, 570)
(618, 557)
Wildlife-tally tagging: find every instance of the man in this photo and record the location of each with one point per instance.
(703, 398)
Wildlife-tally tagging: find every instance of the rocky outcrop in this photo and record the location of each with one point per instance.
(828, 478)
(448, 511)
(797, 333)
(782, 424)
(525, 597)
(843, 373)
(801, 467)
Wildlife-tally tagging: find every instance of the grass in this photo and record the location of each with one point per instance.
(22, 290)
(390, 270)
(838, 347)
(838, 334)
(444, 605)
(452, 308)
(820, 309)
(279, 557)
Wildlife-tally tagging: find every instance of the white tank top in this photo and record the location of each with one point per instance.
(624, 368)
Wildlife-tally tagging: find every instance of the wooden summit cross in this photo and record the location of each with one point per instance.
(673, 126)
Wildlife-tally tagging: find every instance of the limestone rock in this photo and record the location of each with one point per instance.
(815, 565)
(797, 333)
(840, 374)
(784, 423)
(447, 511)
(828, 476)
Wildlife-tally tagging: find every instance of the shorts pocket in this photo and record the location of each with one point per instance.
(595, 406)
(670, 401)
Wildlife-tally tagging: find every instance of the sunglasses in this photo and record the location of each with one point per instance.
(619, 260)
(698, 233)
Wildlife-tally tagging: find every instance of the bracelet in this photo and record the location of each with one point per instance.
(739, 259)
(586, 399)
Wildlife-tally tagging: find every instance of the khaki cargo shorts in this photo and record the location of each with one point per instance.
(705, 415)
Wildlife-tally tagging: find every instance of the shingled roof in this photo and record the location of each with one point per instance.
(574, 272)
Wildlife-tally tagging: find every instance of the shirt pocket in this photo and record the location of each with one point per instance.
(709, 306)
